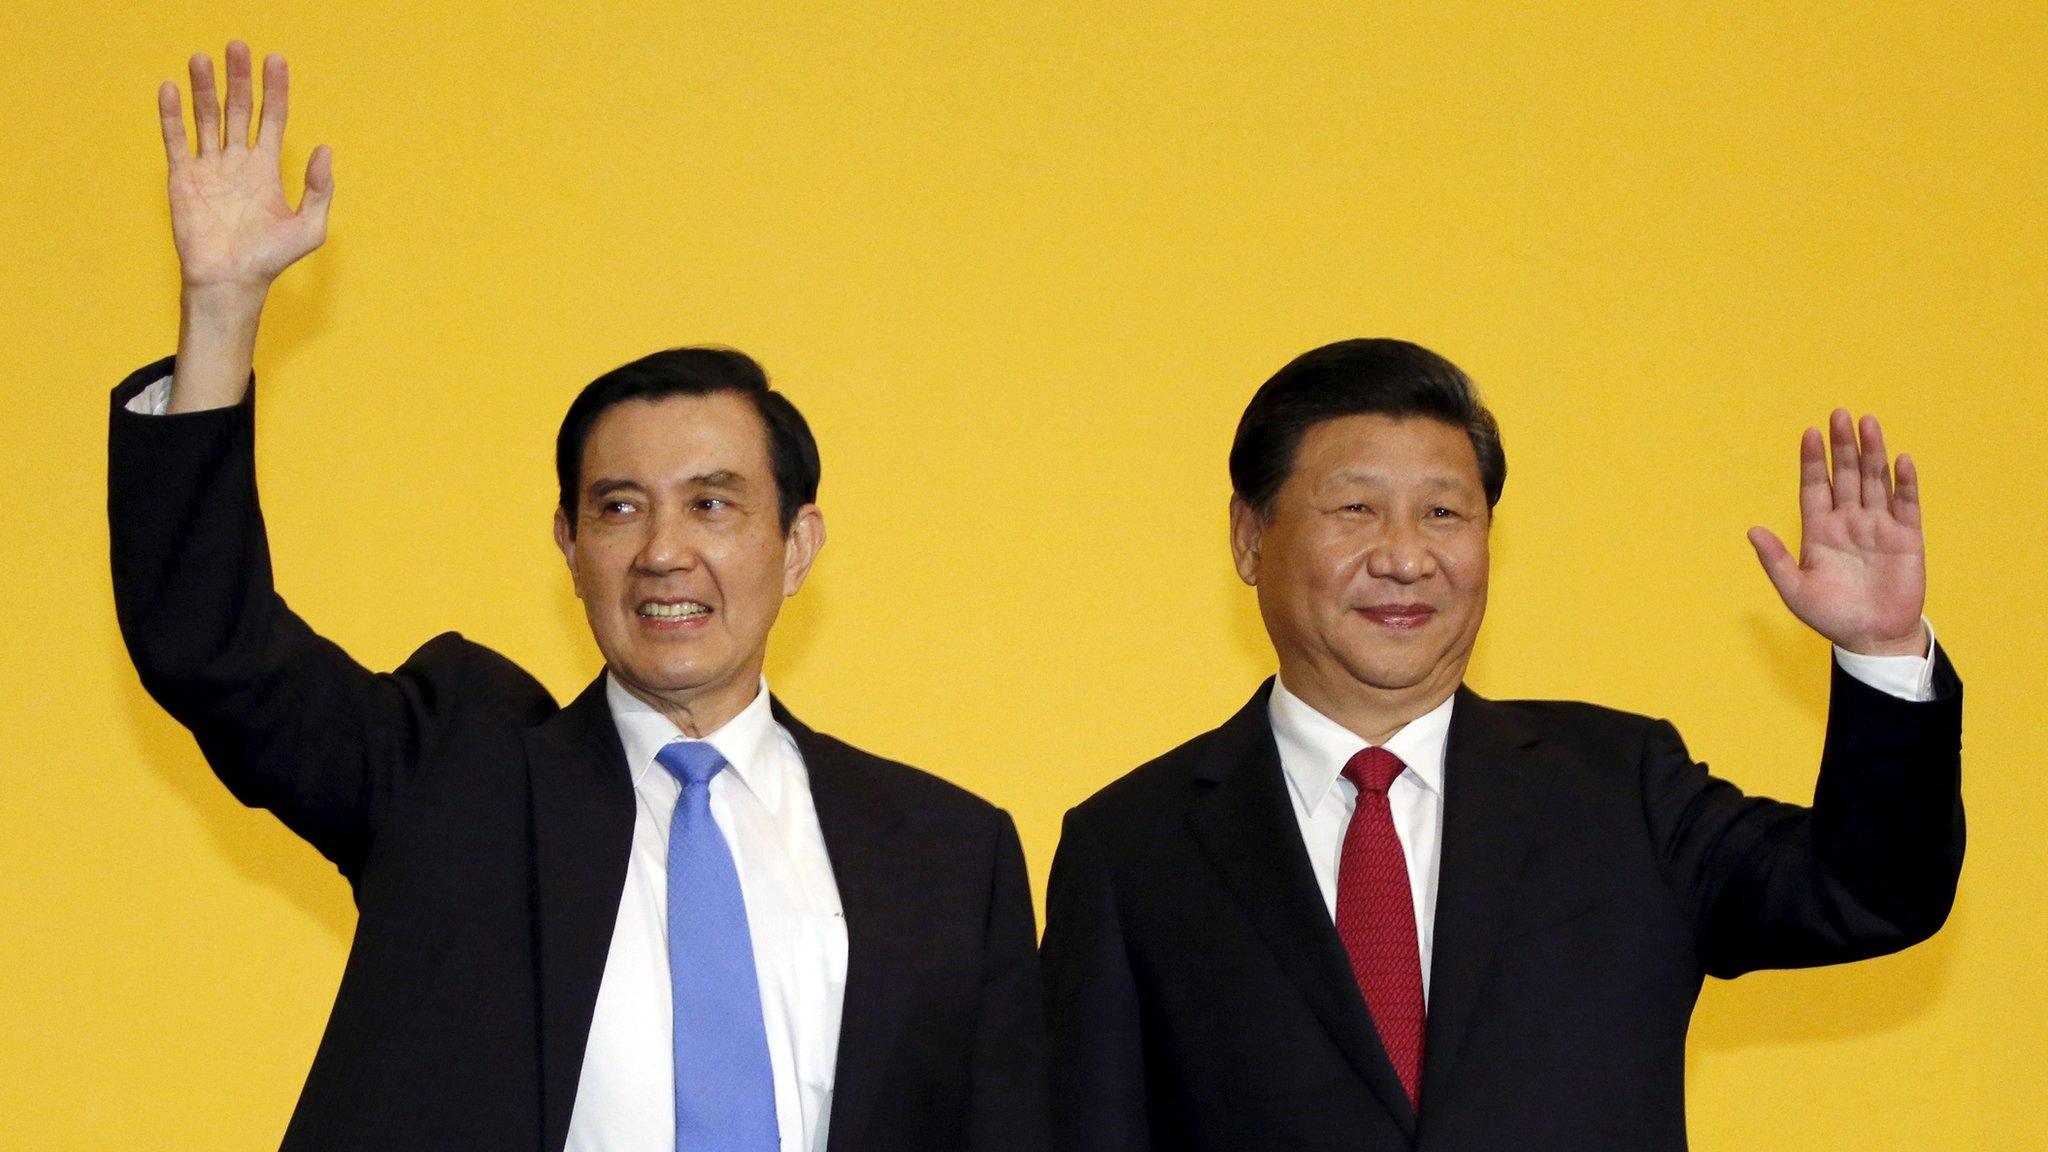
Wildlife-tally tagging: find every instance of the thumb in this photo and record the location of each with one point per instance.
(319, 188)
(1776, 559)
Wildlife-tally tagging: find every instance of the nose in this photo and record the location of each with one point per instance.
(667, 546)
(1401, 555)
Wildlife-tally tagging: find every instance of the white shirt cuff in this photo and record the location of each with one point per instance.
(154, 400)
(1906, 677)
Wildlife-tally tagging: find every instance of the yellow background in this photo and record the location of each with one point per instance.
(1022, 271)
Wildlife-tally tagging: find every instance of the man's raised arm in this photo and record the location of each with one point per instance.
(1872, 866)
(288, 720)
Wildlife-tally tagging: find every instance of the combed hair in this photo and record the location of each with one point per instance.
(700, 371)
(1356, 378)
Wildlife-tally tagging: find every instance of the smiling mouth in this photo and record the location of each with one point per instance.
(1399, 615)
(673, 610)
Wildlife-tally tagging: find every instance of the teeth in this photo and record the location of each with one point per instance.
(687, 610)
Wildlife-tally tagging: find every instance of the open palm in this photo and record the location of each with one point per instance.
(1861, 576)
(229, 217)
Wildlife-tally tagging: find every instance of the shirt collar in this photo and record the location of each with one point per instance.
(744, 741)
(1315, 748)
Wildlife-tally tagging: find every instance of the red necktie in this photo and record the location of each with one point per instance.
(1376, 917)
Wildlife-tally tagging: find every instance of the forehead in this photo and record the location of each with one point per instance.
(675, 437)
(1389, 449)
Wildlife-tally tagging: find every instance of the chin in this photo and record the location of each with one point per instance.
(658, 675)
(687, 679)
(1392, 679)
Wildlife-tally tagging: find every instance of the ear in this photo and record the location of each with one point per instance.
(800, 548)
(1246, 533)
(567, 543)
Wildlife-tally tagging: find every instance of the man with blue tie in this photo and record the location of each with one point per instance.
(668, 915)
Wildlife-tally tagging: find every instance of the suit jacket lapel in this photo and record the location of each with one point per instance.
(582, 823)
(859, 820)
(1247, 826)
(1492, 803)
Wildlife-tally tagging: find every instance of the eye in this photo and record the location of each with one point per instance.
(1441, 513)
(617, 508)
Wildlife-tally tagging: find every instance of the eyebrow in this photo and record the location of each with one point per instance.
(1375, 480)
(724, 479)
(605, 486)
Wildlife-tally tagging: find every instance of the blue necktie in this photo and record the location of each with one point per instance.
(725, 1089)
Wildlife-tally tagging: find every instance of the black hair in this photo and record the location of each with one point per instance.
(1352, 378)
(703, 371)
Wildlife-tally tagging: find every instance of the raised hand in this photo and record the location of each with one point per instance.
(234, 230)
(1861, 576)
(229, 217)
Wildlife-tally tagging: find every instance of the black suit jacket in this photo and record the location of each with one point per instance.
(486, 835)
(1591, 874)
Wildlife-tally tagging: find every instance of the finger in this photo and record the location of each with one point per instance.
(1777, 561)
(1842, 441)
(1815, 498)
(319, 191)
(240, 96)
(1876, 486)
(176, 148)
(1906, 497)
(276, 87)
(205, 105)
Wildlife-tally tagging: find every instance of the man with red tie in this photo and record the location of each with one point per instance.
(1374, 910)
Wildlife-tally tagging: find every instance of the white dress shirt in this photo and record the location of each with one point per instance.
(625, 1101)
(1315, 748)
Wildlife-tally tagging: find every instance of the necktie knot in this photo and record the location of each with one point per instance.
(690, 761)
(1373, 770)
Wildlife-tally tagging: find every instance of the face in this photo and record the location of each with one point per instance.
(1372, 565)
(679, 556)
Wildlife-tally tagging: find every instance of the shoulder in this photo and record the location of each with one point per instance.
(1577, 724)
(913, 791)
(457, 677)
(1166, 780)
(1146, 806)
(1577, 739)
(1559, 718)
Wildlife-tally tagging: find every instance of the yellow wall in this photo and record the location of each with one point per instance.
(1022, 272)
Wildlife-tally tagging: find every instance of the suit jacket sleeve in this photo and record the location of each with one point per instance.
(1870, 868)
(1008, 1085)
(1098, 1066)
(286, 719)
